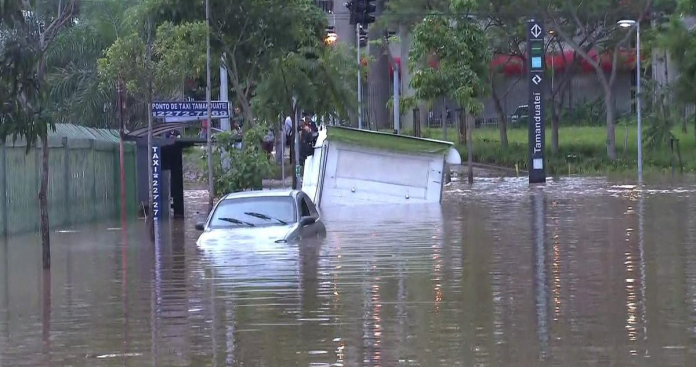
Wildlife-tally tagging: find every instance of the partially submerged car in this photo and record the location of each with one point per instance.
(266, 216)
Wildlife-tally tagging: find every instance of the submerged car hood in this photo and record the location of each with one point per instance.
(264, 234)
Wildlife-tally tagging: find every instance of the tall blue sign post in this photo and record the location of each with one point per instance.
(536, 65)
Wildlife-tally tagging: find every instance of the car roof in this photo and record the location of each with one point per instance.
(261, 194)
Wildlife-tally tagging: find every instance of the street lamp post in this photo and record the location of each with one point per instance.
(628, 24)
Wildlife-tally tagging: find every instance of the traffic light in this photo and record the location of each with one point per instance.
(361, 11)
(364, 11)
(363, 37)
(351, 5)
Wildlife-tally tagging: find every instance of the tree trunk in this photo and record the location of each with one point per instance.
(150, 214)
(611, 133)
(502, 119)
(462, 127)
(150, 179)
(422, 116)
(43, 204)
(470, 145)
(378, 81)
(443, 118)
(280, 129)
(293, 160)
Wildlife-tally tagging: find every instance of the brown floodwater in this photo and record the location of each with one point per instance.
(579, 272)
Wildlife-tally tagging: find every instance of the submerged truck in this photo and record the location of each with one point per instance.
(351, 166)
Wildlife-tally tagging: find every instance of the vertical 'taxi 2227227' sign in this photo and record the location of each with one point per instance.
(156, 180)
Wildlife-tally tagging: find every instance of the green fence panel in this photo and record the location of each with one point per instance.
(22, 189)
(3, 189)
(84, 179)
(57, 202)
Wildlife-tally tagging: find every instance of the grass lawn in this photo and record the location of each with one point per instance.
(581, 149)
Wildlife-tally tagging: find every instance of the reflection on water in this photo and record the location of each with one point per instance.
(576, 272)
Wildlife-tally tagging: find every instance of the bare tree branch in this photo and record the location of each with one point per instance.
(47, 37)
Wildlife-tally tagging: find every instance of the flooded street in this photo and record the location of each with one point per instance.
(578, 272)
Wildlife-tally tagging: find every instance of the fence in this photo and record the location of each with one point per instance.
(84, 182)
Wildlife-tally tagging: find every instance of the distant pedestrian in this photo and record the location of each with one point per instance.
(288, 131)
(238, 117)
(311, 122)
(268, 141)
(237, 134)
(204, 129)
(306, 143)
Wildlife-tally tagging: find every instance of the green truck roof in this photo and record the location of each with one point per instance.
(387, 141)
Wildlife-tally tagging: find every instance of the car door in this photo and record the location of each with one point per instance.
(319, 224)
(307, 209)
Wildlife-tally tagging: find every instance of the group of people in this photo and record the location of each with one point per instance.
(307, 129)
(308, 134)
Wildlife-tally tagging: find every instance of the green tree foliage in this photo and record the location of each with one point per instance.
(411, 12)
(505, 25)
(178, 53)
(249, 164)
(590, 28)
(458, 44)
(75, 92)
(681, 43)
(321, 78)
(249, 36)
(457, 41)
(27, 33)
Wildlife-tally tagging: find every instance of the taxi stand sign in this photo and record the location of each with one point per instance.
(537, 134)
(156, 180)
(192, 110)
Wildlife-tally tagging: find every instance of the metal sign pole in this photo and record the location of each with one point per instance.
(296, 142)
(282, 151)
(537, 134)
(357, 46)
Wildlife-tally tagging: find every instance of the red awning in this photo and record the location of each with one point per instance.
(515, 65)
(397, 61)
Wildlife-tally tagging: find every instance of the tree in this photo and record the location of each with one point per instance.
(458, 42)
(404, 15)
(247, 36)
(681, 43)
(76, 95)
(252, 34)
(506, 35)
(594, 22)
(154, 64)
(318, 78)
(251, 162)
(27, 34)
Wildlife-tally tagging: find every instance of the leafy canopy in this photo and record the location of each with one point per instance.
(458, 44)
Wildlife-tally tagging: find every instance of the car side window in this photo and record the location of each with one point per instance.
(305, 208)
(312, 207)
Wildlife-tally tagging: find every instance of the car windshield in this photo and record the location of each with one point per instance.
(253, 212)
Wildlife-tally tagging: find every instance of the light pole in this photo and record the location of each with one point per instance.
(628, 24)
